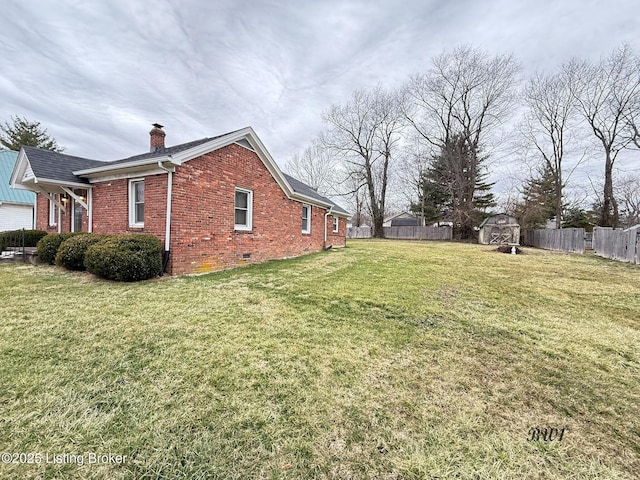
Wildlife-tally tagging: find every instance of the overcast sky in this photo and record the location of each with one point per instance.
(96, 74)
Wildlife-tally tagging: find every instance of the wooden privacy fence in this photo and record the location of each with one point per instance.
(564, 240)
(418, 233)
(621, 245)
(359, 232)
(404, 233)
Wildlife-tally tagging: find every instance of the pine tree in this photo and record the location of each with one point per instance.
(539, 203)
(454, 188)
(23, 132)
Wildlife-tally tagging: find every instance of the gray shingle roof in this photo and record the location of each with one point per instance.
(58, 166)
(167, 150)
(307, 191)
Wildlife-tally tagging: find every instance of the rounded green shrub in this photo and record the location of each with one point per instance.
(48, 246)
(72, 250)
(125, 258)
(15, 238)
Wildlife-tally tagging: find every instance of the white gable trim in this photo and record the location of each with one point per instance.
(19, 171)
(20, 179)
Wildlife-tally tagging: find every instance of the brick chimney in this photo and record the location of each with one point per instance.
(157, 137)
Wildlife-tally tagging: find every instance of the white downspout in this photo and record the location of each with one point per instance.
(60, 217)
(35, 212)
(90, 209)
(167, 230)
(325, 224)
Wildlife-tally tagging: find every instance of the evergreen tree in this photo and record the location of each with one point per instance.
(434, 200)
(23, 132)
(539, 203)
(454, 188)
(577, 217)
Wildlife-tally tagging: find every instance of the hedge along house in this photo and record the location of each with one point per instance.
(215, 202)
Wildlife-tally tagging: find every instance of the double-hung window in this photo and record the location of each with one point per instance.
(335, 224)
(306, 218)
(136, 203)
(243, 209)
(53, 212)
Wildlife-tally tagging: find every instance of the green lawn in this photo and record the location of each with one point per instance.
(383, 360)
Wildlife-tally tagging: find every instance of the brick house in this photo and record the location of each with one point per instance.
(215, 202)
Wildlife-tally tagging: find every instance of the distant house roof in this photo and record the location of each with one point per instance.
(405, 222)
(402, 219)
(8, 194)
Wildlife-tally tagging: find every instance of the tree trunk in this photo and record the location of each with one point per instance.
(609, 214)
(558, 185)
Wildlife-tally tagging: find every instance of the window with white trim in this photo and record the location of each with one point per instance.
(136, 203)
(306, 218)
(243, 209)
(53, 211)
(335, 224)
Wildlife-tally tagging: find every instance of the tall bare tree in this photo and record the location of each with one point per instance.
(545, 127)
(607, 96)
(628, 194)
(466, 94)
(316, 167)
(365, 132)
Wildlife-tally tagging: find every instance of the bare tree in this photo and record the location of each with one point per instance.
(628, 194)
(607, 96)
(365, 132)
(466, 93)
(413, 166)
(317, 168)
(633, 121)
(545, 126)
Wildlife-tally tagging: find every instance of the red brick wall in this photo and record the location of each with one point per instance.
(111, 206)
(202, 221)
(202, 230)
(42, 220)
(337, 239)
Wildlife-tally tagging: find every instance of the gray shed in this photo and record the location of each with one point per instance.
(500, 229)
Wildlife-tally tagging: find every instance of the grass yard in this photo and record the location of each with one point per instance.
(383, 360)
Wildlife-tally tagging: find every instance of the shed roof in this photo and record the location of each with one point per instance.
(7, 194)
(500, 219)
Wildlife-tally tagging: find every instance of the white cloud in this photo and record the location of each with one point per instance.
(97, 74)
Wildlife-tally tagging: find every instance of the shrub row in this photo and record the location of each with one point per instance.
(48, 246)
(72, 251)
(124, 258)
(14, 238)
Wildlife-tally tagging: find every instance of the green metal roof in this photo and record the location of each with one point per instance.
(7, 194)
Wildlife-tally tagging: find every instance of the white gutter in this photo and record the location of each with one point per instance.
(325, 224)
(167, 230)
